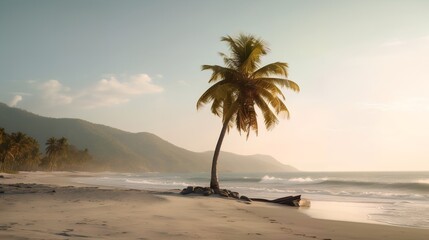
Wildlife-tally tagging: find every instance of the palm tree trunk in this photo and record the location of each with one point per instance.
(214, 183)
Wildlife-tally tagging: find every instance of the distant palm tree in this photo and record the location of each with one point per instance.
(16, 150)
(2, 135)
(7, 149)
(63, 151)
(51, 146)
(32, 157)
(52, 152)
(63, 145)
(56, 149)
(241, 85)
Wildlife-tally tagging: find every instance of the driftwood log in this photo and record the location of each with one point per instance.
(206, 191)
(289, 201)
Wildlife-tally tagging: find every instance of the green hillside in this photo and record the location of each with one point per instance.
(118, 150)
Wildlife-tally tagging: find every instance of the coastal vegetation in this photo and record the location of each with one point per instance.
(242, 86)
(20, 152)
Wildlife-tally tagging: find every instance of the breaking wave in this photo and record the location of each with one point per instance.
(152, 182)
(411, 186)
(297, 180)
(267, 178)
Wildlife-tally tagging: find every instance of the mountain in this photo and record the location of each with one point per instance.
(118, 150)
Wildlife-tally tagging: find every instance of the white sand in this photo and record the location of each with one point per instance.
(78, 212)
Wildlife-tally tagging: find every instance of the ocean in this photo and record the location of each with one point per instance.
(392, 198)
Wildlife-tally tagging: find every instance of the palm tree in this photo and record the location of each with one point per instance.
(6, 149)
(15, 150)
(240, 86)
(56, 150)
(51, 146)
(51, 152)
(63, 151)
(63, 147)
(2, 135)
(29, 157)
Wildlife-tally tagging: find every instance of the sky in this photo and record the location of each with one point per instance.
(136, 65)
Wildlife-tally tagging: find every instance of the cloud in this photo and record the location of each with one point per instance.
(112, 91)
(108, 91)
(55, 93)
(135, 85)
(15, 100)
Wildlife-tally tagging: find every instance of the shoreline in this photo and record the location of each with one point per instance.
(77, 210)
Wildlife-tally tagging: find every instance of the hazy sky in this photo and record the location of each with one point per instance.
(135, 65)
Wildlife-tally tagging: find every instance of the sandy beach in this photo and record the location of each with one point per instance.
(51, 206)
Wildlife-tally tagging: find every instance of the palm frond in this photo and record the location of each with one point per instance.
(253, 123)
(253, 51)
(270, 118)
(275, 102)
(217, 90)
(277, 68)
(228, 61)
(219, 72)
(246, 52)
(270, 86)
(228, 104)
(282, 83)
(235, 48)
(216, 107)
